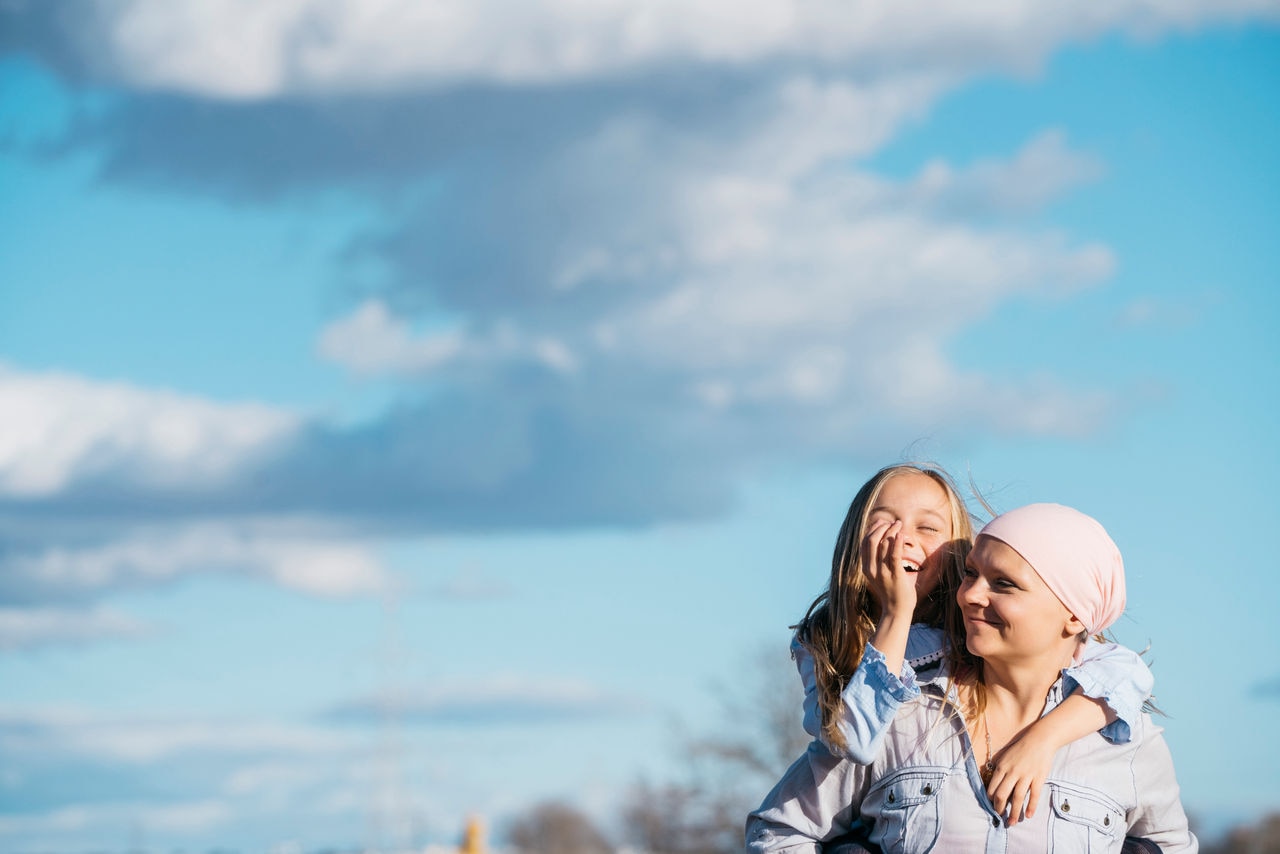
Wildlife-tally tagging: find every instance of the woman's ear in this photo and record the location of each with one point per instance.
(1073, 627)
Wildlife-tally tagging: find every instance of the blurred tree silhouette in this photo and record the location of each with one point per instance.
(1260, 838)
(555, 828)
(730, 772)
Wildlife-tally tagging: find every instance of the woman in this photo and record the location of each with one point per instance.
(1039, 581)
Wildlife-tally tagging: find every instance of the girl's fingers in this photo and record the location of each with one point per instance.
(873, 546)
(888, 540)
(895, 547)
(1033, 797)
(1017, 800)
(996, 792)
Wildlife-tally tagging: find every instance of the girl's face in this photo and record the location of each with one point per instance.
(1009, 612)
(920, 503)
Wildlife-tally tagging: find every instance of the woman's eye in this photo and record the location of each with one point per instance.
(969, 573)
(928, 529)
(1006, 584)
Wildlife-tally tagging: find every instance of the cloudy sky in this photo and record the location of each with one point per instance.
(511, 365)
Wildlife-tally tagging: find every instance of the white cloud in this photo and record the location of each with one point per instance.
(1165, 313)
(370, 341)
(76, 818)
(756, 279)
(472, 583)
(499, 699)
(783, 274)
(37, 627)
(310, 564)
(255, 48)
(46, 731)
(238, 773)
(60, 429)
(1039, 173)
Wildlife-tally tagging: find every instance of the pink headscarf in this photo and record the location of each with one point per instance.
(1072, 553)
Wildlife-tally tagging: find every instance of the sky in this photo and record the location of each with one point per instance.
(410, 411)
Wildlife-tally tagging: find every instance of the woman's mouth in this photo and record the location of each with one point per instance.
(910, 567)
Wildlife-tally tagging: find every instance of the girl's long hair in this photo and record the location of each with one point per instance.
(842, 619)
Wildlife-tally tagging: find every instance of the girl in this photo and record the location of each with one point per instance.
(898, 561)
(1038, 583)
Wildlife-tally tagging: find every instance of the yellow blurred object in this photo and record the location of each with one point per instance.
(473, 837)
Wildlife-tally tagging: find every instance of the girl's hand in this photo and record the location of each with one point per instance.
(1019, 775)
(891, 585)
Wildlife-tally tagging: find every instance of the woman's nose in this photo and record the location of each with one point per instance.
(972, 592)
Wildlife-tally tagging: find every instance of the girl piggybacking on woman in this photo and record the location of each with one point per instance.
(1038, 583)
(883, 619)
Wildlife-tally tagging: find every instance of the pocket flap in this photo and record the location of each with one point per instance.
(909, 788)
(1081, 807)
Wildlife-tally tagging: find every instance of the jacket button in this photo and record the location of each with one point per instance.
(1066, 806)
(995, 822)
(927, 790)
(891, 799)
(1106, 821)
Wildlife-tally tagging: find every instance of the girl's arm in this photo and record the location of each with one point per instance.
(1118, 677)
(1106, 688)
(872, 697)
(894, 590)
(1023, 765)
(883, 679)
(805, 667)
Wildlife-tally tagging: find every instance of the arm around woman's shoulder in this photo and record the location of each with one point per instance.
(1118, 677)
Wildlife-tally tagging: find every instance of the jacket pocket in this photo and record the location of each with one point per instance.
(908, 810)
(1084, 820)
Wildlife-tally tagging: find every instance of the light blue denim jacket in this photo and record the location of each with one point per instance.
(1104, 671)
(922, 791)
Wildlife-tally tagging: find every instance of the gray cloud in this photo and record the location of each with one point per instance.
(374, 45)
(74, 774)
(500, 703)
(28, 629)
(657, 274)
(1268, 689)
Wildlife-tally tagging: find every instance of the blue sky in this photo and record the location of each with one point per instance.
(517, 375)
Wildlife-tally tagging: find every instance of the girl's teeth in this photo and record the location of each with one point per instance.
(910, 567)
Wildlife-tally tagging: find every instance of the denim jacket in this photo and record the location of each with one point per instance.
(922, 792)
(1104, 671)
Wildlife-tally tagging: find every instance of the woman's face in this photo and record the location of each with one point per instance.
(1009, 612)
(920, 503)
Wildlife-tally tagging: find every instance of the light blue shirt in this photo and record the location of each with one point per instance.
(922, 791)
(1104, 671)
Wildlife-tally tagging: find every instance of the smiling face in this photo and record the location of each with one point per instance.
(1009, 612)
(921, 504)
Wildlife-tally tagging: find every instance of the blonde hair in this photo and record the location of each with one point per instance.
(840, 622)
